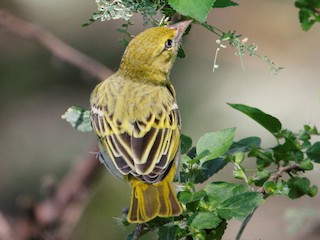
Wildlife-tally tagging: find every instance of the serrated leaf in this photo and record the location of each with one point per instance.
(209, 168)
(188, 197)
(219, 191)
(238, 157)
(260, 177)
(224, 3)
(186, 143)
(215, 143)
(282, 189)
(204, 220)
(239, 174)
(247, 142)
(79, 118)
(306, 164)
(167, 11)
(306, 19)
(185, 196)
(301, 186)
(218, 232)
(270, 187)
(239, 206)
(269, 122)
(264, 159)
(168, 232)
(313, 152)
(195, 9)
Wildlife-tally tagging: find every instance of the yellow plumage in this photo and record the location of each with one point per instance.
(136, 118)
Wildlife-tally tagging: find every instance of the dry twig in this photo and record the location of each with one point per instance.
(55, 45)
(56, 216)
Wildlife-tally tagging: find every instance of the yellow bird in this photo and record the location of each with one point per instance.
(136, 118)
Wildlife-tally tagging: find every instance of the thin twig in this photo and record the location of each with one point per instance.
(274, 178)
(137, 232)
(281, 171)
(56, 216)
(55, 45)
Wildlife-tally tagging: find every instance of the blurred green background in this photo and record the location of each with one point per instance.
(36, 88)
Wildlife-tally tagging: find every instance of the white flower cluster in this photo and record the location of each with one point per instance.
(112, 10)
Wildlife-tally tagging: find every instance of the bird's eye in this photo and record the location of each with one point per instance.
(168, 44)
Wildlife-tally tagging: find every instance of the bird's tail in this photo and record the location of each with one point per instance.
(151, 200)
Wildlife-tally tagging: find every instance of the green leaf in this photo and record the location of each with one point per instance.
(308, 13)
(168, 232)
(313, 152)
(198, 10)
(264, 159)
(247, 142)
(199, 235)
(301, 186)
(282, 189)
(306, 164)
(188, 197)
(192, 152)
(239, 206)
(270, 187)
(181, 52)
(185, 159)
(219, 191)
(209, 168)
(239, 173)
(167, 11)
(215, 143)
(269, 122)
(186, 143)
(313, 190)
(260, 177)
(224, 3)
(79, 118)
(238, 157)
(185, 197)
(306, 19)
(288, 151)
(204, 220)
(218, 232)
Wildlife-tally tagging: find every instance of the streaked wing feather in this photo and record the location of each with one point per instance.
(146, 146)
(141, 146)
(154, 155)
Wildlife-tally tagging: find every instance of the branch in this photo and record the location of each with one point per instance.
(137, 232)
(281, 171)
(55, 45)
(274, 178)
(56, 216)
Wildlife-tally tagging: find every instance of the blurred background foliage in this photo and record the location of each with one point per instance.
(36, 89)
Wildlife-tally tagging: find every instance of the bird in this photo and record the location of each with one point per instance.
(135, 115)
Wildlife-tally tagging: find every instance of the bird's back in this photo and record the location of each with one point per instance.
(138, 123)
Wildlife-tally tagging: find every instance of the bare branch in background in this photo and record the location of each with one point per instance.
(56, 216)
(55, 45)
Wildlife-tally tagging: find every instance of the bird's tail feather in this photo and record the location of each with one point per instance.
(151, 200)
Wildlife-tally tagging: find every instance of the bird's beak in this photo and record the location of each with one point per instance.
(180, 27)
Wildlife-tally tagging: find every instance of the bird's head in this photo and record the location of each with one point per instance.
(150, 55)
